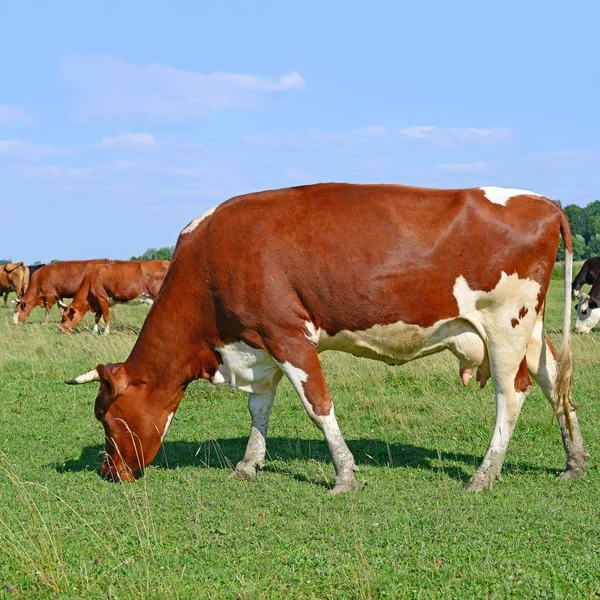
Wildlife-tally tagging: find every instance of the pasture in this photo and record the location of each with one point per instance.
(186, 531)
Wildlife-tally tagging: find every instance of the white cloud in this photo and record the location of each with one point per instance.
(368, 135)
(466, 167)
(132, 142)
(14, 115)
(20, 149)
(110, 87)
(441, 135)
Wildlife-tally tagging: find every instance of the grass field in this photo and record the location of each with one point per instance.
(186, 531)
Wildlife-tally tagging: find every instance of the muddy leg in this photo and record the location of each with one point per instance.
(259, 406)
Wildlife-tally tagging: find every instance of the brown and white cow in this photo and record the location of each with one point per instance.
(589, 272)
(50, 284)
(115, 282)
(258, 288)
(13, 277)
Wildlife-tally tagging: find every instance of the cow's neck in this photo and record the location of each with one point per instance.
(166, 354)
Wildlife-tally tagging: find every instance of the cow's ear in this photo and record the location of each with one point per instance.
(115, 377)
(593, 303)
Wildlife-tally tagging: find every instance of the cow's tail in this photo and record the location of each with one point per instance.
(563, 386)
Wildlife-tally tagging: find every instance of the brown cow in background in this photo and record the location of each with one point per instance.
(51, 283)
(13, 276)
(119, 281)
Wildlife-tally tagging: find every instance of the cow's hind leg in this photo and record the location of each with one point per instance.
(541, 361)
(259, 406)
(511, 383)
(300, 364)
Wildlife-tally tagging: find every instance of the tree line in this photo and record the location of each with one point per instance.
(585, 229)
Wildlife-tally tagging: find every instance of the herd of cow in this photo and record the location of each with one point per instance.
(261, 284)
(94, 285)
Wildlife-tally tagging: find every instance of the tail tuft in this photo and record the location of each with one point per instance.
(563, 386)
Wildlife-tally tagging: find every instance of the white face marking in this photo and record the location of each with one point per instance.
(312, 333)
(16, 318)
(499, 195)
(587, 318)
(169, 419)
(247, 369)
(189, 228)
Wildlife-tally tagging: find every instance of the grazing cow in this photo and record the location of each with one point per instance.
(13, 276)
(587, 275)
(263, 283)
(119, 281)
(51, 283)
(588, 309)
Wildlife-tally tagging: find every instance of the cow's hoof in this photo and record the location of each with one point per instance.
(342, 487)
(244, 471)
(480, 482)
(573, 473)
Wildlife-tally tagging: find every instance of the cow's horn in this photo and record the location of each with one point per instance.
(85, 378)
(61, 303)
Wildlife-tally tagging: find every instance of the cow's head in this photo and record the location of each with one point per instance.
(135, 416)
(22, 310)
(588, 314)
(70, 319)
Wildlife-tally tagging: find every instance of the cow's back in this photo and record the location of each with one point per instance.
(353, 256)
(62, 279)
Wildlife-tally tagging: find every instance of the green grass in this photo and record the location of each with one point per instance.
(186, 531)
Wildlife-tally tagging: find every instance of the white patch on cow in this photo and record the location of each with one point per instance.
(399, 343)
(95, 328)
(499, 195)
(312, 333)
(587, 318)
(169, 419)
(247, 368)
(493, 314)
(15, 318)
(106, 330)
(189, 228)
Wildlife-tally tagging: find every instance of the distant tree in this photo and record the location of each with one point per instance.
(156, 254)
(54, 260)
(4, 261)
(579, 247)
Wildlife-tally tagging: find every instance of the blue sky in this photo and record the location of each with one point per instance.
(122, 121)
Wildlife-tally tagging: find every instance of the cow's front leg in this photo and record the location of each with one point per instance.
(48, 307)
(303, 369)
(105, 311)
(259, 406)
(97, 318)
